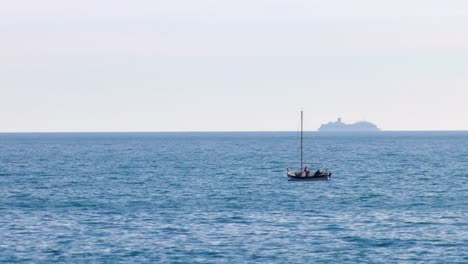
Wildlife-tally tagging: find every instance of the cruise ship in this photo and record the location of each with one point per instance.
(339, 126)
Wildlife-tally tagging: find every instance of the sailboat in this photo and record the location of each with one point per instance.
(304, 174)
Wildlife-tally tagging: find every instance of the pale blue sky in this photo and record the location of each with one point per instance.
(232, 65)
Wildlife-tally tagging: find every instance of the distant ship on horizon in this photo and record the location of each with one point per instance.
(339, 126)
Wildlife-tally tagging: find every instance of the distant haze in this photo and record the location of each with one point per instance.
(206, 65)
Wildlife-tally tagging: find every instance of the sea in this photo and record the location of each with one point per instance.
(223, 197)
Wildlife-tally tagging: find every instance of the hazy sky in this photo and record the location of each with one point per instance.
(189, 65)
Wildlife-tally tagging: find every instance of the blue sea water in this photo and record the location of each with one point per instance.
(224, 198)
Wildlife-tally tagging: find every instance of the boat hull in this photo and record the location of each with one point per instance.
(299, 177)
(320, 178)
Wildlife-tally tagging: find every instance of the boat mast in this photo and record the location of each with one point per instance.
(302, 151)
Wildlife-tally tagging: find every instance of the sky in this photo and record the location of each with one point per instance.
(205, 65)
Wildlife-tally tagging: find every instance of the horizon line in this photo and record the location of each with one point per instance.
(225, 131)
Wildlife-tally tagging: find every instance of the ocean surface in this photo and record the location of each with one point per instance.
(394, 197)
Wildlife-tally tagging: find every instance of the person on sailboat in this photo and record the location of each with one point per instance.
(306, 170)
